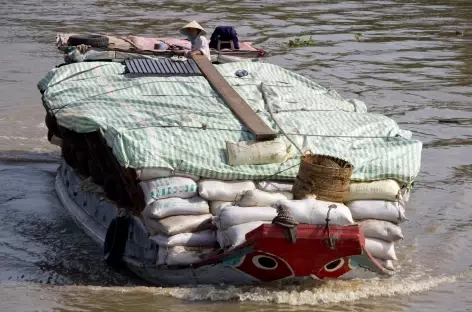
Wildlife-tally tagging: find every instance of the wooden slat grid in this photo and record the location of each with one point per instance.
(162, 66)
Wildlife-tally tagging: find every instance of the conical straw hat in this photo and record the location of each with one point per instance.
(192, 24)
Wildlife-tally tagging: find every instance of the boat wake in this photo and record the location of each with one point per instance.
(308, 294)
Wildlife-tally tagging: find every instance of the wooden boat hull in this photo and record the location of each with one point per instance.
(266, 256)
(134, 46)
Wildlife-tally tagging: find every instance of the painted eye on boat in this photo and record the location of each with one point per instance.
(265, 262)
(334, 265)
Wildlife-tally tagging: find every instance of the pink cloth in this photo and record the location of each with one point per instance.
(177, 42)
(144, 43)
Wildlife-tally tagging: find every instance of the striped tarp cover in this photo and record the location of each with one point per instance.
(181, 123)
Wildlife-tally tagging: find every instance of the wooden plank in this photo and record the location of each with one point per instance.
(236, 103)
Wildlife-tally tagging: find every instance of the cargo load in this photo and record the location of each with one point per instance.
(194, 194)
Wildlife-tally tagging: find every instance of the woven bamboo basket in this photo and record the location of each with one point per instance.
(324, 176)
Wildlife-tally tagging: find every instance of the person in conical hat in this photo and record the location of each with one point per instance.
(196, 35)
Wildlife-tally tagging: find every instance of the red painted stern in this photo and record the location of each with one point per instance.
(268, 254)
(317, 252)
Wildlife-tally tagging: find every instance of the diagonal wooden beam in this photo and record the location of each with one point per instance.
(236, 103)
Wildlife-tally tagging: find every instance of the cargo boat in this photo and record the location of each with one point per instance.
(101, 47)
(119, 126)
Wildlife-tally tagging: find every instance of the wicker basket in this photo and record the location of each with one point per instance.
(324, 176)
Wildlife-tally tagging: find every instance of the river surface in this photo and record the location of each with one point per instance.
(410, 60)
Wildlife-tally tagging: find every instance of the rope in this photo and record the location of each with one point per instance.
(330, 239)
(238, 197)
(178, 167)
(286, 220)
(269, 108)
(283, 170)
(286, 134)
(207, 128)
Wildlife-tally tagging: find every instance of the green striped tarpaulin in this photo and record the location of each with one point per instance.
(152, 121)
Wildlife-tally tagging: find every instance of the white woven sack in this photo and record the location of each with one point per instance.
(275, 186)
(216, 206)
(236, 235)
(175, 206)
(205, 238)
(179, 224)
(258, 198)
(168, 187)
(234, 215)
(217, 190)
(380, 249)
(376, 190)
(381, 229)
(181, 255)
(146, 174)
(378, 209)
(312, 211)
(258, 153)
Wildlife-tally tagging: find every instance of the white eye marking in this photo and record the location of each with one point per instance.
(264, 262)
(334, 265)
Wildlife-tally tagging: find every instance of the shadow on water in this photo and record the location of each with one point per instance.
(39, 241)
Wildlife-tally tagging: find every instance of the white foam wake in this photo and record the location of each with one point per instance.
(331, 292)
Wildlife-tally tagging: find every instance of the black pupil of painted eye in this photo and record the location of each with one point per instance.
(267, 262)
(332, 265)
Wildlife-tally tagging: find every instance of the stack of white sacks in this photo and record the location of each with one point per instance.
(254, 205)
(379, 208)
(190, 218)
(239, 207)
(178, 219)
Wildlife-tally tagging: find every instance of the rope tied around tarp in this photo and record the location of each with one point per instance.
(238, 197)
(286, 220)
(330, 239)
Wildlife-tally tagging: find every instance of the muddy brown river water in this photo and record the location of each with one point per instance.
(410, 60)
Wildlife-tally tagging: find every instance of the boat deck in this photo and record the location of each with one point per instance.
(135, 44)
